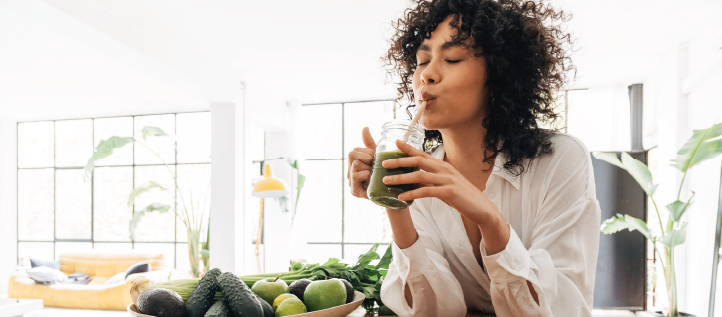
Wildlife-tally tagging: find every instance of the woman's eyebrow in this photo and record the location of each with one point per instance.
(447, 45)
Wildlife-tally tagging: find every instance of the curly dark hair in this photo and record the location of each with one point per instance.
(527, 53)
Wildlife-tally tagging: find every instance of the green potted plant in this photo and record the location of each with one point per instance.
(194, 216)
(703, 145)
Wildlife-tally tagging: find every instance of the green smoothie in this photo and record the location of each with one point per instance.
(388, 195)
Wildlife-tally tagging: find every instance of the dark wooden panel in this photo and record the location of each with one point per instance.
(621, 280)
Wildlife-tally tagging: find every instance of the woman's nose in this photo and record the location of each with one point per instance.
(430, 75)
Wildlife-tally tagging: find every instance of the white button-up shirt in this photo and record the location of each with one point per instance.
(554, 218)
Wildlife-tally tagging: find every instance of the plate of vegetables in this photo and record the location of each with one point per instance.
(332, 289)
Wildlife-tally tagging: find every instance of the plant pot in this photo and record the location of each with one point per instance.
(660, 314)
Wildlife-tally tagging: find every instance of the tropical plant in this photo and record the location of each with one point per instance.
(703, 145)
(193, 214)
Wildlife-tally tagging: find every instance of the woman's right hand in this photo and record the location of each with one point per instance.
(360, 165)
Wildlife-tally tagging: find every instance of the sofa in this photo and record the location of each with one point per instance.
(100, 266)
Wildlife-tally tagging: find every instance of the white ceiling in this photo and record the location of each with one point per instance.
(84, 58)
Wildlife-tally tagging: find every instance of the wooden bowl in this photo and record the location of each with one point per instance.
(134, 312)
(338, 311)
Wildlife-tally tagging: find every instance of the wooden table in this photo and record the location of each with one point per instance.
(360, 312)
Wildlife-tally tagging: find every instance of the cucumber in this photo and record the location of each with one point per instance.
(201, 297)
(239, 298)
(218, 309)
(385, 310)
(267, 308)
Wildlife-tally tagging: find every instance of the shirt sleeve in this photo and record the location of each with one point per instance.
(434, 288)
(561, 260)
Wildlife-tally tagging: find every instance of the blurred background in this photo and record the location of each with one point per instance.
(237, 85)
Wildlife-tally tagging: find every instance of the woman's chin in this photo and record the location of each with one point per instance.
(430, 123)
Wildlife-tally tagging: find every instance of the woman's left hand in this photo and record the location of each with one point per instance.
(441, 180)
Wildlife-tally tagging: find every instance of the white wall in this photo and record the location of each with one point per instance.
(704, 107)
(599, 116)
(676, 116)
(8, 214)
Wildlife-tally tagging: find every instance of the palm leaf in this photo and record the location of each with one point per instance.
(621, 222)
(104, 149)
(141, 190)
(153, 131)
(678, 208)
(638, 170)
(138, 214)
(675, 237)
(699, 147)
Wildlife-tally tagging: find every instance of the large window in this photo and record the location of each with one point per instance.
(59, 211)
(334, 223)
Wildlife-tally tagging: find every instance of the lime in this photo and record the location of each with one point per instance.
(291, 306)
(281, 298)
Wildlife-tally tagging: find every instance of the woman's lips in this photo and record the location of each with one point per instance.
(430, 102)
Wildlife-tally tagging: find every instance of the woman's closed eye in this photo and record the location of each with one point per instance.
(448, 61)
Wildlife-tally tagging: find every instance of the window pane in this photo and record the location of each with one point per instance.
(365, 221)
(112, 185)
(182, 261)
(319, 132)
(35, 144)
(72, 207)
(181, 234)
(35, 204)
(163, 146)
(320, 253)
(194, 137)
(319, 210)
(120, 127)
(71, 247)
(155, 226)
(167, 249)
(73, 142)
(35, 250)
(366, 114)
(353, 251)
(194, 192)
(113, 246)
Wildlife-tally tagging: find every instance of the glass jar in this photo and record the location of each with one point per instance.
(388, 195)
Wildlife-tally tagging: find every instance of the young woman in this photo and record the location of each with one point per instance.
(505, 218)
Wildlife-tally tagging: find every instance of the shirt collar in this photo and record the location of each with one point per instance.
(498, 169)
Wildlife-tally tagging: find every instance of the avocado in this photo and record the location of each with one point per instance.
(218, 309)
(349, 290)
(267, 308)
(201, 298)
(161, 302)
(239, 298)
(298, 287)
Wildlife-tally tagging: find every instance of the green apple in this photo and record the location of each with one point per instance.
(269, 288)
(324, 294)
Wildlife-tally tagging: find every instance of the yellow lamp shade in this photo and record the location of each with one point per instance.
(269, 186)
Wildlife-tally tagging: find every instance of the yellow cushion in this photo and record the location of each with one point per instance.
(106, 264)
(100, 266)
